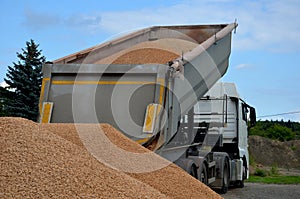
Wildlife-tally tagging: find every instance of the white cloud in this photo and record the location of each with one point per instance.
(37, 20)
(269, 25)
(297, 118)
(84, 22)
(3, 84)
(263, 24)
(176, 14)
(243, 66)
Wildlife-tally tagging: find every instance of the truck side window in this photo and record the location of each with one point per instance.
(244, 112)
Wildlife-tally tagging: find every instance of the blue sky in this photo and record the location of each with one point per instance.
(264, 64)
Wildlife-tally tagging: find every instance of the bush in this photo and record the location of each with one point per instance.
(264, 173)
(274, 170)
(293, 148)
(261, 172)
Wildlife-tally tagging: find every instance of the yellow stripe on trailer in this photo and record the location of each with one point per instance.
(161, 81)
(141, 141)
(150, 117)
(46, 113)
(43, 92)
(61, 82)
(152, 113)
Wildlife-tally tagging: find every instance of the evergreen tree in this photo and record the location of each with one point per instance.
(24, 79)
(3, 94)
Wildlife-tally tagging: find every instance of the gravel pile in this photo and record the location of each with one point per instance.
(146, 56)
(50, 160)
(171, 180)
(36, 163)
(159, 51)
(269, 152)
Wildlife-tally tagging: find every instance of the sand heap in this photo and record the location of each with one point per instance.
(150, 52)
(38, 163)
(51, 161)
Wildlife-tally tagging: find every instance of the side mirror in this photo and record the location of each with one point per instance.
(252, 117)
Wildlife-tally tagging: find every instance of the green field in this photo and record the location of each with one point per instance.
(275, 179)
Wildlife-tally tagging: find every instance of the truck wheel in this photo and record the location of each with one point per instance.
(203, 175)
(225, 185)
(193, 171)
(240, 183)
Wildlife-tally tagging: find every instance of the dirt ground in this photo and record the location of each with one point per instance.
(264, 191)
(268, 152)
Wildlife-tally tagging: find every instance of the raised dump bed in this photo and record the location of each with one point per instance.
(140, 83)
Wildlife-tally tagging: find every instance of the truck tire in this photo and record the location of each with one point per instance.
(203, 175)
(193, 171)
(225, 185)
(240, 183)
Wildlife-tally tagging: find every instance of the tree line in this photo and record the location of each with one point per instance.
(277, 130)
(24, 78)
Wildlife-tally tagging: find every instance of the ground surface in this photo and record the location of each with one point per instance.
(264, 191)
(268, 152)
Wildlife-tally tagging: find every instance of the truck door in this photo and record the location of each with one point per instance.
(243, 128)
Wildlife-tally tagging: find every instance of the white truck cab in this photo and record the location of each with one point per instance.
(219, 125)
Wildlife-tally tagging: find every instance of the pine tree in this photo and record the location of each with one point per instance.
(24, 79)
(3, 94)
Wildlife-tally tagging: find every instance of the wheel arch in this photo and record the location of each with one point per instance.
(246, 164)
(220, 158)
(187, 164)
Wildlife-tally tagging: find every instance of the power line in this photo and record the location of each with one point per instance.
(278, 114)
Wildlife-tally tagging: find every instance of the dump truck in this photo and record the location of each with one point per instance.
(147, 84)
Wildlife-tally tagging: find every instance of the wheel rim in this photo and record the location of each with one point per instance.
(225, 177)
(193, 172)
(203, 175)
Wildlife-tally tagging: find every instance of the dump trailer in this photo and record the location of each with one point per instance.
(144, 84)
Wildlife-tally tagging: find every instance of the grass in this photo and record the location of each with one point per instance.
(272, 175)
(275, 179)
